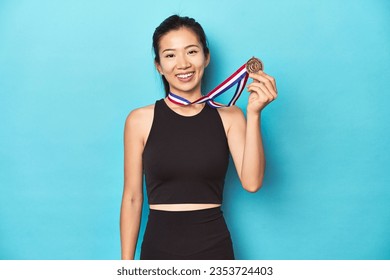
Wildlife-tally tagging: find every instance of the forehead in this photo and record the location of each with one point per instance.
(180, 38)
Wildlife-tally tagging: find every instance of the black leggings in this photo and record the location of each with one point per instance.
(187, 235)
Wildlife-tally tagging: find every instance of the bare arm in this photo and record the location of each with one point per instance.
(244, 136)
(132, 199)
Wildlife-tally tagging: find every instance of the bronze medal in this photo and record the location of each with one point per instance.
(254, 65)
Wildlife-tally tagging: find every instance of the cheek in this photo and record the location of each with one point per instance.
(167, 66)
(201, 64)
(201, 68)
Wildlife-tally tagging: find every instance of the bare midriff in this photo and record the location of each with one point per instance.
(182, 207)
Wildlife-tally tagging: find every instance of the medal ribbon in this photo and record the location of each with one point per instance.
(238, 78)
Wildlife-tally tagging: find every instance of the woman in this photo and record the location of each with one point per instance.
(183, 152)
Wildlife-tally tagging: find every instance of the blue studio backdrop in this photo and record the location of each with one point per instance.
(71, 71)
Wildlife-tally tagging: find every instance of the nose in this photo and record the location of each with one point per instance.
(182, 62)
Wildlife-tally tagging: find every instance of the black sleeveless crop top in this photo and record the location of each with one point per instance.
(185, 159)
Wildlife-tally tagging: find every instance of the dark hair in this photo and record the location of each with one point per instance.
(176, 22)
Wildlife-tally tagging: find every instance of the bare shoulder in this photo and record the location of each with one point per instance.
(231, 115)
(230, 111)
(140, 116)
(140, 120)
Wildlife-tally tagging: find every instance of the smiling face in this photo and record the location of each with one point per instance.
(182, 61)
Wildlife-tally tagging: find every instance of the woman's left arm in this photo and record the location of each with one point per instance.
(244, 136)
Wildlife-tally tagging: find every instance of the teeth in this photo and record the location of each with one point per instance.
(184, 76)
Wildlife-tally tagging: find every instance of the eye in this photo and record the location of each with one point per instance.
(169, 55)
(193, 52)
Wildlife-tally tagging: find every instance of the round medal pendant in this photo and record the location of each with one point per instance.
(254, 65)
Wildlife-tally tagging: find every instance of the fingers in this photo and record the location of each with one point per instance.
(264, 78)
(262, 91)
(266, 88)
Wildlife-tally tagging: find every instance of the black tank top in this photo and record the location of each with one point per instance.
(185, 159)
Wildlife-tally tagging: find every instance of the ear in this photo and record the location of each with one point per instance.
(158, 67)
(207, 60)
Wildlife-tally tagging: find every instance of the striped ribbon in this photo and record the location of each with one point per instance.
(238, 78)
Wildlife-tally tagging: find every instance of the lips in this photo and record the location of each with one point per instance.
(185, 76)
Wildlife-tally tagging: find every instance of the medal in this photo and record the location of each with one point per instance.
(239, 78)
(254, 65)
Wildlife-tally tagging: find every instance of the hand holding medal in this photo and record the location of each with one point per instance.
(262, 89)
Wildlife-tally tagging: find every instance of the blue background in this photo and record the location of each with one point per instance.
(71, 71)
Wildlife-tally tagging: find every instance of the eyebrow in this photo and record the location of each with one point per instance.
(187, 47)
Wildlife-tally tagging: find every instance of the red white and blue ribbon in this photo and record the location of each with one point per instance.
(238, 78)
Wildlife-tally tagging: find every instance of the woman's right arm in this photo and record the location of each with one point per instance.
(132, 198)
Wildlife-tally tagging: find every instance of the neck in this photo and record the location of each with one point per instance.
(182, 100)
(191, 97)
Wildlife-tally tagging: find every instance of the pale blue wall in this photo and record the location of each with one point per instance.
(70, 72)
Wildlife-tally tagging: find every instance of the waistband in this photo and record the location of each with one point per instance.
(187, 217)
